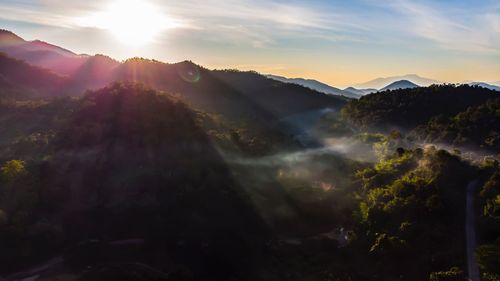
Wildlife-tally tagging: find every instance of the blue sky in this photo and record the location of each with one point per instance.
(339, 42)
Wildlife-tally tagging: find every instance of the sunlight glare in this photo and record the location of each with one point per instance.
(132, 22)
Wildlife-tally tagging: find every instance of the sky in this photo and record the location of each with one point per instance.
(335, 41)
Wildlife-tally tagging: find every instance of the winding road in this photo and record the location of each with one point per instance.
(470, 232)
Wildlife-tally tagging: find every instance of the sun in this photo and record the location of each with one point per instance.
(133, 22)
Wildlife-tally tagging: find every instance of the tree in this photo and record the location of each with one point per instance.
(12, 169)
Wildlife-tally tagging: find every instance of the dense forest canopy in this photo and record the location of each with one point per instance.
(144, 170)
(460, 116)
(408, 108)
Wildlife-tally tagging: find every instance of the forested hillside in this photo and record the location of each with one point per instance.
(477, 126)
(19, 80)
(407, 108)
(126, 163)
(143, 170)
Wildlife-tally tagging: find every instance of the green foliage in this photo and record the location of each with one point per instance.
(454, 274)
(491, 196)
(125, 161)
(391, 165)
(490, 277)
(408, 108)
(478, 125)
(413, 201)
(371, 138)
(129, 161)
(12, 170)
(488, 257)
(382, 145)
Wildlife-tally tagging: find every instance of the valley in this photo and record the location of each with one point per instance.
(144, 170)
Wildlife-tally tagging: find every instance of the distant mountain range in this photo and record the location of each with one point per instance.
(37, 69)
(349, 92)
(360, 92)
(403, 84)
(485, 85)
(318, 86)
(92, 72)
(353, 92)
(380, 83)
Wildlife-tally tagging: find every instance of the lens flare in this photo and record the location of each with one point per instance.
(189, 73)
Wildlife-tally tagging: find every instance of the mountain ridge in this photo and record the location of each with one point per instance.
(40, 53)
(485, 85)
(315, 85)
(401, 84)
(382, 82)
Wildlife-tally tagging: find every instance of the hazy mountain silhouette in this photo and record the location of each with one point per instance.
(21, 80)
(39, 53)
(316, 85)
(403, 84)
(359, 92)
(382, 82)
(210, 91)
(171, 171)
(278, 97)
(485, 85)
(96, 72)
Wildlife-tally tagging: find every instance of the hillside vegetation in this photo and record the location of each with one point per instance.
(407, 108)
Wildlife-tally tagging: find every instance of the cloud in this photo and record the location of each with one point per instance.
(301, 25)
(33, 16)
(259, 23)
(464, 30)
(256, 23)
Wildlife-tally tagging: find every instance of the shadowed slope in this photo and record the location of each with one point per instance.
(131, 163)
(282, 98)
(21, 80)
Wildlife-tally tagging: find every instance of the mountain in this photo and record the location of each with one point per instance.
(39, 53)
(408, 108)
(403, 84)
(278, 97)
(8, 38)
(241, 97)
(20, 80)
(382, 82)
(95, 73)
(359, 92)
(206, 90)
(478, 126)
(485, 85)
(315, 85)
(157, 178)
(181, 173)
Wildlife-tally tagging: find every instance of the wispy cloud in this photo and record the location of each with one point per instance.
(465, 30)
(255, 22)
(261, 23)
(336, 39)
